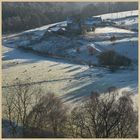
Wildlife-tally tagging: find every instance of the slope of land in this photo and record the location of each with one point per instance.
(67, 74)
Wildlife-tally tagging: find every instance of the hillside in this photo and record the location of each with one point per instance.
(52, 67)
(64, 71)
(20, 16)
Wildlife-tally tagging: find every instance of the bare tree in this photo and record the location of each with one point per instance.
(10, 113)
(127, 127)
(101, 116)
(105, 116)
(49, 115)
(18, 101)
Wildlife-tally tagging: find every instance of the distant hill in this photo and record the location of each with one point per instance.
(19, 16)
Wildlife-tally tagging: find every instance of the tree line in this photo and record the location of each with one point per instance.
(20, 16)
(105, 115)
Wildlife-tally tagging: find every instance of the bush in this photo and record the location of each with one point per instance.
(78, 50)
(113, 60)
(93, 28)
(113, 38)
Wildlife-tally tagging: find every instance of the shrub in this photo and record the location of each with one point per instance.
(78, 50)
(113, 60)
(93, 28)
(113, 38)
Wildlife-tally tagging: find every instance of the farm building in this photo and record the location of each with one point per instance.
(58, 30)
(92, 50)
(88, 24)
(74, 24)
(92, 22)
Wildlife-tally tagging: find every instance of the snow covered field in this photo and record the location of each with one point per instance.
(118, 15)
(70, 81)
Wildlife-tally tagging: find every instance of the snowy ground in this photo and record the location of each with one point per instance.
(70, 81)
(68, 47)
(65, 76)
(118, 15)
(126, 20)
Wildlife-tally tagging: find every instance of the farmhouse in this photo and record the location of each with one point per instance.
(92, 22)
(75, 24)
